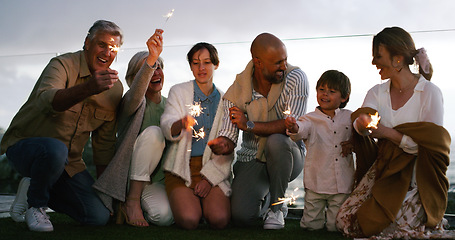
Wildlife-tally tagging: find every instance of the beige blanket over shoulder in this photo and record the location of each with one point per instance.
(240, 93)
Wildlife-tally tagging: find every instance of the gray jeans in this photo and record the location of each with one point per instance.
(254, 180)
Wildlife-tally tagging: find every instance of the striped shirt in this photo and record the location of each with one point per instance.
(294, 98)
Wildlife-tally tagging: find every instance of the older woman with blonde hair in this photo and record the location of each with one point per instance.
(141, 144)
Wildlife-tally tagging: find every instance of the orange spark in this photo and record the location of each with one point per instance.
(374, 121)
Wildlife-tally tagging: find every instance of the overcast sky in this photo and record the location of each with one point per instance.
(319, 35)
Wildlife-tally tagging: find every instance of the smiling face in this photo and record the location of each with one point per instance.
(273, 64)
(101, 51)
(202, 67)
(156, 82)
(329, 99)
(384, 62)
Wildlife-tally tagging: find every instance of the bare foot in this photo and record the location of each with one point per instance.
(134, 213)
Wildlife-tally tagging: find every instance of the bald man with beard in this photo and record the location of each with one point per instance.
(257, 103)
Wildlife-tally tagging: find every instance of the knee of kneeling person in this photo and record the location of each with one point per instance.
(99, 219)
(219, 223)
(188, 222)
(57, 155)
(163, 217)
(241, 219)
(276, 142)
(153, 134)
(166, 220)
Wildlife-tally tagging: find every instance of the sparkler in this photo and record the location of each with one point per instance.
(167, 16)
(287, 113)
(196, 111)
(290, 199)
(114, 48)
(198, 134)
(374, 121)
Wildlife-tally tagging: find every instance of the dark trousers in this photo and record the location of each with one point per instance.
(43, 160)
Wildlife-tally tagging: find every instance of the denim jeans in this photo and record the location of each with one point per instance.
(43, 159)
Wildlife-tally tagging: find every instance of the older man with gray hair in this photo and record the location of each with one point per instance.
(75, 97)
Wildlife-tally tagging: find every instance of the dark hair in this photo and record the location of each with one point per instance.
(104, 26)
(398, 42)
(212, 51)
(336, 80)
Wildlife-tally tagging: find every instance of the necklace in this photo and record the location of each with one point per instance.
(409, 86)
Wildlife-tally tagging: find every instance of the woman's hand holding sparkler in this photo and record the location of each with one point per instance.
(186, 123)
(291, 124)
(361, 123)
(155, 46)
(370, 124)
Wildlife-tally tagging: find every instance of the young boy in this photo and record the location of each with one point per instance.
(329, 167)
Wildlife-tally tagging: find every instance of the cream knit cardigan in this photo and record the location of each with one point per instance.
(217, 169)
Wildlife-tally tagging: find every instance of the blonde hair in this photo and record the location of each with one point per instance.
(136, 63)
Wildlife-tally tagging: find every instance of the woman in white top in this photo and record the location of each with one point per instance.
(197, 180)
(404, 193)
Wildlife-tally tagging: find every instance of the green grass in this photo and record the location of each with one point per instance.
(66, 228)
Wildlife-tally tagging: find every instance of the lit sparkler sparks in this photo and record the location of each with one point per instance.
(196, 109)
(374, 121)
(199, 134)
(287, 113)
(114, 48)
(167, 16)
(291, 200)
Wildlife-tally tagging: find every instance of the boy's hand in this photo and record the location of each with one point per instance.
(291, 124)
(346, 148)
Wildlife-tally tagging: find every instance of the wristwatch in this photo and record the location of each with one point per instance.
(249, 126)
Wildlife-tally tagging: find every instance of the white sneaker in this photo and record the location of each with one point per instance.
(273, 220)
(38, 220)
(284, 209)
(20, 205)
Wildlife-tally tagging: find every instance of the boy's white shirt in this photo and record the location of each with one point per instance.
(326, 171)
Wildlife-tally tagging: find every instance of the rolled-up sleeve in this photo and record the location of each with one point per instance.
(228, 129)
